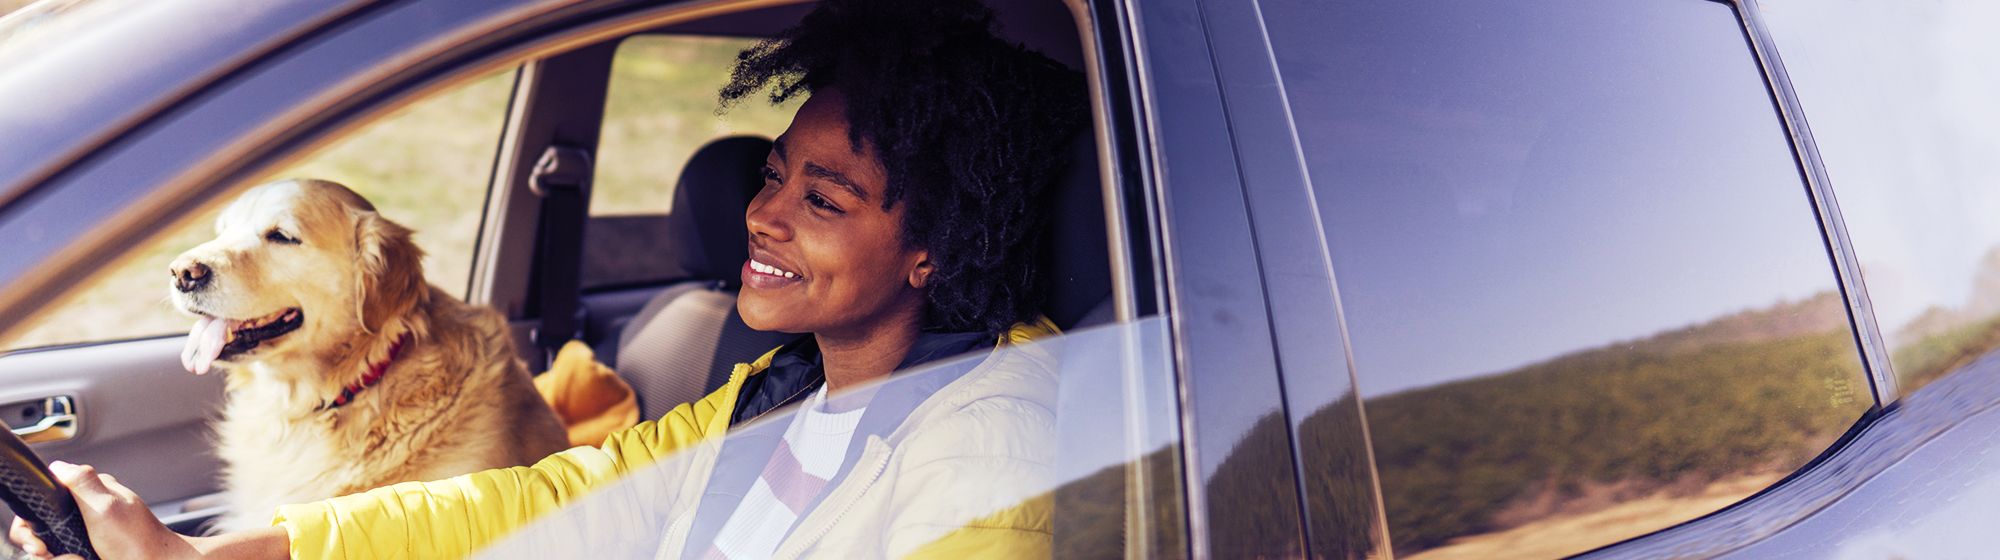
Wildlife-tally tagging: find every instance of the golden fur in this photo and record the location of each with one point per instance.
(455, 400)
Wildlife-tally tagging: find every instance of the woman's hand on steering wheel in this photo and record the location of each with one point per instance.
(120, 524)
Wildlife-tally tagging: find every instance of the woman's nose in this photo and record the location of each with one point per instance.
(766, 219)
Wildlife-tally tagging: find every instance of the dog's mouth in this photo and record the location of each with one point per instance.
(218, 338)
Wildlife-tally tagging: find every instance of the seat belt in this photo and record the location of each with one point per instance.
(562, 180)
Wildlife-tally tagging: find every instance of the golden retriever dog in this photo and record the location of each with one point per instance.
(346, 371)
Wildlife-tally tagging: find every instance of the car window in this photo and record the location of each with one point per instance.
(426, 166)
(1900, 96)
(1584, 285)
(1072, 432)
(660, 107)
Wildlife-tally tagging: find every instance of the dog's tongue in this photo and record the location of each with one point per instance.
(204, 344)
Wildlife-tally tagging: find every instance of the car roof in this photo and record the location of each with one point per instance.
(58, 102)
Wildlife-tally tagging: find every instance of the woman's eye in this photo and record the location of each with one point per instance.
(276, 236)
(770, 174)
(820, 202)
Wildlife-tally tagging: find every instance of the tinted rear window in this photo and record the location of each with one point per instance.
(1587, 293)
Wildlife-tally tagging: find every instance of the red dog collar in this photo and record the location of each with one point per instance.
(374, 376)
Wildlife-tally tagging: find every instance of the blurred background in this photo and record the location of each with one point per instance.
(427, 166)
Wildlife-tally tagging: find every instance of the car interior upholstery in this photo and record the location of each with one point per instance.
(681, 344)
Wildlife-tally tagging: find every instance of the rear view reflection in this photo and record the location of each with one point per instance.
(1609, 443)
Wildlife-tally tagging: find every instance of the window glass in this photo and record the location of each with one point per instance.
(661, 107)
(426, 166)
(1901, 99)
(1067, 431)
(1586, 291)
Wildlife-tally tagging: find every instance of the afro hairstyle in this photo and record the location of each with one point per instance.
(972, 131)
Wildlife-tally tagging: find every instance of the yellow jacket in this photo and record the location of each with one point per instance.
(966, 474)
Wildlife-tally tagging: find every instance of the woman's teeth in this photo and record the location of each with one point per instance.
(771, 270)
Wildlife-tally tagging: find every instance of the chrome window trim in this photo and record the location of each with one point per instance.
(1853, 289)
(1194, 503)
(1119, 234)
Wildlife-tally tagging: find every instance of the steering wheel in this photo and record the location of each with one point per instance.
(28, 488)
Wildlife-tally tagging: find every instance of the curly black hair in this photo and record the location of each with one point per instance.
(972, 130)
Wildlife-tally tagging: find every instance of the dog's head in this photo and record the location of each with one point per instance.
(296, 267)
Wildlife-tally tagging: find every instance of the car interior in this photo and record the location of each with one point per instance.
(671, 336)
(674, 339)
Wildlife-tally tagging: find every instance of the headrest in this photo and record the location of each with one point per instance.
(710, 199)
(1076, 259)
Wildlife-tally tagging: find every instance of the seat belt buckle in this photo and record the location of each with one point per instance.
(561, 170)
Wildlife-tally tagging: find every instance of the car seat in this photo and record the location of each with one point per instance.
(1076, 258)
(680, 346)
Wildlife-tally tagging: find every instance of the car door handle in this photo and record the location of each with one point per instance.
(57, 422)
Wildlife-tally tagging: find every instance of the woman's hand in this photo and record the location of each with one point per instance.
(120, 524)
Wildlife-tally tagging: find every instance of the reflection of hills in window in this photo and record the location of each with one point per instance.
(1942, 339)
(1612, 442)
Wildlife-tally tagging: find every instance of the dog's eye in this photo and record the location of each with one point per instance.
(276, 236)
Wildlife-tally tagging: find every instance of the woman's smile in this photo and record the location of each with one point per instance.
(760, 273)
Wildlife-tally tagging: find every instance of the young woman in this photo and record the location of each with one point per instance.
(896, 225)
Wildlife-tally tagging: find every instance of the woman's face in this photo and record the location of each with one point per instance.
(825, 257)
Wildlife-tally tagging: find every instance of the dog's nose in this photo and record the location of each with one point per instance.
(191, 277)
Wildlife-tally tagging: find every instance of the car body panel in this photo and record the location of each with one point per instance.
(1216, 296)
(1342, 503)
(1920, 482)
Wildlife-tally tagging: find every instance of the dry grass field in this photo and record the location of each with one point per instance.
(427, 165)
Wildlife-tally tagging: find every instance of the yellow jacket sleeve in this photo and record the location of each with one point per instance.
(1024, 531)
(454, 517)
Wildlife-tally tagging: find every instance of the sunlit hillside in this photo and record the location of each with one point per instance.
(1683, 416)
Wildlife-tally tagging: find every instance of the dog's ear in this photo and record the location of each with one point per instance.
(391, 278)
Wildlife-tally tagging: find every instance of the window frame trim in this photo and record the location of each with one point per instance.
(1875, 353)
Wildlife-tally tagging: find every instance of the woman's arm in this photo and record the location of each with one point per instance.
(446, 518)
(122, 527)
(268, 542)
(454, 517)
